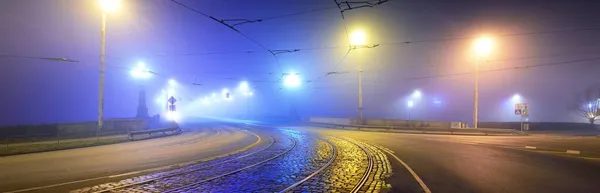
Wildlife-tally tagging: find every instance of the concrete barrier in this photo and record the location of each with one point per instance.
(72, 130)
(382, 122)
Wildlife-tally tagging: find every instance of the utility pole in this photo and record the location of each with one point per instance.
(101, 86)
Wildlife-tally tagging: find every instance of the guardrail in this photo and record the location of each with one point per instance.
(167, 131)
(484, 131)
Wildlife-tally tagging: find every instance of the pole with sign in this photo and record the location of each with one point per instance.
(523, 110)
(172, 109)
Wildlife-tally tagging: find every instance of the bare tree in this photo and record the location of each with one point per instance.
(588, 104)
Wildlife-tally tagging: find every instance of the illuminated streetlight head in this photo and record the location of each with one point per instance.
(292, 80)
(140, 71)
(516, 98)
(410, 103)
(358, 38)
(110, 6)
(244, 85)
(417, 94)
(483, 46)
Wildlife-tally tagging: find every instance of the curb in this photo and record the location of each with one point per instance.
(577, 153)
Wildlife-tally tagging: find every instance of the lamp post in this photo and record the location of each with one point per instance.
(108, 6)
(358, 38)
(483, 47)
(409, 105)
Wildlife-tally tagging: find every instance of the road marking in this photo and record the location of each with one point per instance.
(146, 170)
(530, 147)
(414, 174)
(573, 152)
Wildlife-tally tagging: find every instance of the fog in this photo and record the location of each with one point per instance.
(547, 52)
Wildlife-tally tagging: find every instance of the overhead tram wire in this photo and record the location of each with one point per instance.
(232, 27)
(510, 68)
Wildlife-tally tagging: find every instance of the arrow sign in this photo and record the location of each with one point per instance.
(172, 100)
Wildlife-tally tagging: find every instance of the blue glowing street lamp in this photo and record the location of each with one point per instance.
(141, 71)
(292, 80)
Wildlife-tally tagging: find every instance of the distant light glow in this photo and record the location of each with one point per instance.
(173, 116)
(410, 104)
(214, 95)
(172, 82)
(590, 105)
(437, 101)
(205, 101)
(292, 80)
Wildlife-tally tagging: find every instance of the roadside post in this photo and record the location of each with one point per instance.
(172, 109)
(523, 110)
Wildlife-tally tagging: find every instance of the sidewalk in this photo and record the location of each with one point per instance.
(41, 146)
(54, 141)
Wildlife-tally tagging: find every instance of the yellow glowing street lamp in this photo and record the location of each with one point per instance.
(110, 6)
(359, 38)
(483, 47)
(107, 6)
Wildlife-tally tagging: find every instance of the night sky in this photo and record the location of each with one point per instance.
(546, 51)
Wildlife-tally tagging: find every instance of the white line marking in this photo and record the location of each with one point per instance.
(573, 152)
(139, 171)
(530, 147)
(54, 185)
(414, 174)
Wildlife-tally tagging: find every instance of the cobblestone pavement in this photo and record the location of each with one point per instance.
(349, 168)
(311, 154)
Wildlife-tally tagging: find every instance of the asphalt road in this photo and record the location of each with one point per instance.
(50, 168)
(446, 164)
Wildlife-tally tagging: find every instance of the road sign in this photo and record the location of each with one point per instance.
(518, 112)
(522, 109)
(172, 108)
(172, 100)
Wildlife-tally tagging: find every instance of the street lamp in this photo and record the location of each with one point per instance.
(244, 86)
(292, 80)
(108, 6)
(358, 38)
(416, 94)
(172, 82)
(140, 71)
(483, 48)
